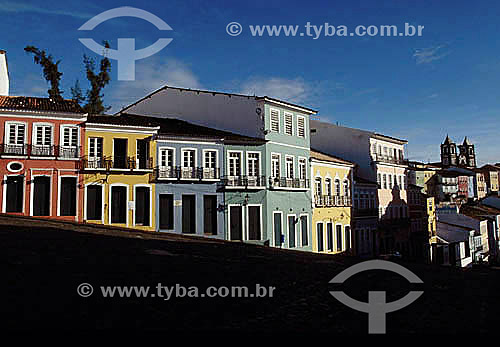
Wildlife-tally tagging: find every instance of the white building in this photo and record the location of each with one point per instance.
(4, 74)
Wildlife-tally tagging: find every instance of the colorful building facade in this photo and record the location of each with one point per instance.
(116, 169)
(332, 204)
(39, 155)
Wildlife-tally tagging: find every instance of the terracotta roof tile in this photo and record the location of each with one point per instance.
(30, 103)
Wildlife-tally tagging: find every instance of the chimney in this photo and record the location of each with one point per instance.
(4, 74)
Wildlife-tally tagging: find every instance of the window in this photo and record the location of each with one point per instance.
(70, 136)
(253, 163)
(234, 164)
(275, 165)
(390, 181)
(166, 157)
(346, 188)
(379, 180)
(188, 158)
(302, 169)
(385, 181)
(210, 160)
(289, 124)
(347, 237)
(95, 147)
(328, 186)
(42, 135)
(69, 142)
(16, 134)
(289, 167)
(337, 187)
(166, 211)
(317, 184)
(275, 121)
(329, 237)
(400, 182)
(301, 126)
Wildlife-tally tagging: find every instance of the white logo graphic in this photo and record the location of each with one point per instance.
(234, 28)
(126, 54)
(376, 307)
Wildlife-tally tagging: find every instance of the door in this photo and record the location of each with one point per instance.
(67, 201)
(304, 230)
(254, 232)
(329, 237)
(15, 194)
(319, 237)
(236, 222)
(277, 229)
(143, 154)
(94, 202)
(142, 208)
(167, 211)
(188, 214)
(291, 231)
(210, 214)
(41, 196)
(120, 153)
(119, 205)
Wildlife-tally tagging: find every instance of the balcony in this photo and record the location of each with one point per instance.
(40, 151)
(294, 183)
(383, 158)
(116, 163)
(332, 201)
(185, 173)
(244, 181)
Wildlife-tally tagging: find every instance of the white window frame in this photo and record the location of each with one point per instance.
(210, 150)
(287, 157)
(271, 110)
(61, 135)
(160, 150)
(304, 161)
(8, 124)
(34, 133)
(126, 205)
(288, 116)
(32, 191)
(59, 179)
(279, 165)
(298, 126)
(95, 146)
(246, 235)
(195, 161)
(258, 161)
(229, 163)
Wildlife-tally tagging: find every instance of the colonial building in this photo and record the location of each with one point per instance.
(366, 214)
(116, 168)
(40, 148)
(490, 173)
(332, 203)
(285, 128)
(379, 158)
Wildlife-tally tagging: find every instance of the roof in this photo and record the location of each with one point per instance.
(490, 167)
(479, 212)
(219, 93)
(447, 141)
(31, 103)
(390, 138)
(452, 233)
(466, 141)
(361, 180)
(315, 154)
(174, 127)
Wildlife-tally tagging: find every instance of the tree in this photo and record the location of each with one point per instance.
(77, 93)
(50, 70)
(97, 81)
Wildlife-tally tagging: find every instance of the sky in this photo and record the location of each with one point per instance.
(416, 88)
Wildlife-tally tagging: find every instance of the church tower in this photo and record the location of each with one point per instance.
(448, 152)
(467, 156)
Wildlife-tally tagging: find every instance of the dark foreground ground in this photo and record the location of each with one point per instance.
(43, 263)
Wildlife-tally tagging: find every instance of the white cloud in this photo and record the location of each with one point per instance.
(293, 90)
(16, 7)
(430, 54)
(149, 76)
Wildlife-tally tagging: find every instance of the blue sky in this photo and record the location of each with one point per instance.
(417, 88)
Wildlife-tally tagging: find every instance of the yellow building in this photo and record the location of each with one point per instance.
(117, 163)
(431, 219)
(332, 203)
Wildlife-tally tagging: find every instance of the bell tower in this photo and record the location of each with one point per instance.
(448, 152)
(467, 156)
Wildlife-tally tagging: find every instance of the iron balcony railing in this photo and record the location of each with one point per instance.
(389, 159)
(276, 182)
(66, 152)
(332, 201)
(120, 163)
(244, 181)
(186, 173)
